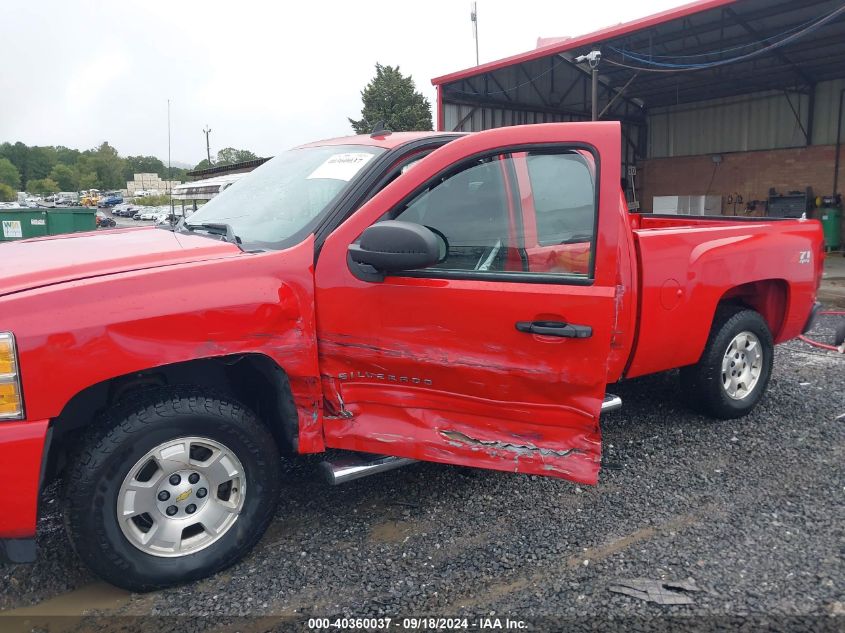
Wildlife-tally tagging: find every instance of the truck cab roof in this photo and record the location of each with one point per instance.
(386, 140)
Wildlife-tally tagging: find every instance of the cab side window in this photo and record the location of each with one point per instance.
(477, 208)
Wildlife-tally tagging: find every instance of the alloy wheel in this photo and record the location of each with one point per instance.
(742, 365)
(181, 497)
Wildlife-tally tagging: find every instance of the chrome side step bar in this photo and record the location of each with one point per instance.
(611, 403)
(349, 468)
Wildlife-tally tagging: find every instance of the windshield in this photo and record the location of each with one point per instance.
(286, 196)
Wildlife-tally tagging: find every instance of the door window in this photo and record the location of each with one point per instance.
(564, 197)
(477, 209)
(470, 208)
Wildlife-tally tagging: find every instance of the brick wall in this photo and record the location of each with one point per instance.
(749, 174)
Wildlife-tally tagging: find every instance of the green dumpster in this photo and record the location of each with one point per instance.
(71, 220)
(831, 218)
(20, 224)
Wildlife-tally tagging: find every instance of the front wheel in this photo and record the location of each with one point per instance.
(733, 372)
(172, 488)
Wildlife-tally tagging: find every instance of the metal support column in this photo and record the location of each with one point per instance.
(593, 58)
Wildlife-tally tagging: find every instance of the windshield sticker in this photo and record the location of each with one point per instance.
(341, 166)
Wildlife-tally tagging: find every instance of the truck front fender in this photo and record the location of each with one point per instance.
(74, 335)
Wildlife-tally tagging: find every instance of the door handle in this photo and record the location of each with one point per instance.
(555, 328)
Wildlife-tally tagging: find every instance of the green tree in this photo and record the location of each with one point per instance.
(87, 180)
(109, 167)
(175, 173)
(7, 194)
(230, 156)
(101, 167)
(203, 164)
(39, 162)
(42, 186)
(65, 176)
(142, 165)
(9, 174)
(66, 155)
(392, 97)
(17, 154)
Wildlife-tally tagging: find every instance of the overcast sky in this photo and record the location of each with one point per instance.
(264, 75)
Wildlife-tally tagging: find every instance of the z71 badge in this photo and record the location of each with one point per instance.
(804, 257)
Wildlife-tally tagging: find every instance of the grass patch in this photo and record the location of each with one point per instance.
(152, 201)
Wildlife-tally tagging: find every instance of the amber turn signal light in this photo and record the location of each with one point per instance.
(11, 402)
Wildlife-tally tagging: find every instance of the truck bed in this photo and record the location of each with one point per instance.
(688, 265)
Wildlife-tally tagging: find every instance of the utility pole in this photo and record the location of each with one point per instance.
(169, 169)
(168, 138)
(474, 17)
(207, 131)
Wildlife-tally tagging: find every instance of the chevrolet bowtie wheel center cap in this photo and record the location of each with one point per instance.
(180, 496)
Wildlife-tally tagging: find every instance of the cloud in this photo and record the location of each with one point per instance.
(264, 75)
(93, 79)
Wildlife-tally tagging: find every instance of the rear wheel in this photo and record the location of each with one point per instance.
(734, 370)
(174, 487)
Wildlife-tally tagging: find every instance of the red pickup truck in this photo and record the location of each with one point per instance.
(463, 299)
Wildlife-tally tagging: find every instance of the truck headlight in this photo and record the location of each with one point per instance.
(11, 399)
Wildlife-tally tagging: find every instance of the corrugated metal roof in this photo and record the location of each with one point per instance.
(207, 188)
(243, 166)
(574, 43)
(756, 44)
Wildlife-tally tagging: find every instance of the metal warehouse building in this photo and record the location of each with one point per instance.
(734, 98)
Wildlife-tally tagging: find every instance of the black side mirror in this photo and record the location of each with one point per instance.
(392, 245)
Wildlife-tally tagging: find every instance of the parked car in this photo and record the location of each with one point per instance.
(124, 210)
(473, 310)
(67, 199)
(168, 218)
(104, 221)
(148, 213)
(110, 200)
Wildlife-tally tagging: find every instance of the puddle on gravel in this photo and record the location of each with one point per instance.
(94, 597)
(394, 531)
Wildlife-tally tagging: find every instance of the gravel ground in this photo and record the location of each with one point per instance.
(751, 510)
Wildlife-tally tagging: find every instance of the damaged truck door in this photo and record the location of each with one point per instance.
(496, 355)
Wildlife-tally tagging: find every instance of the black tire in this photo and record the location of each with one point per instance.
(114, 446)
(702, 383)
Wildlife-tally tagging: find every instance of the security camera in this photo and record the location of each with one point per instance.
(593, 57)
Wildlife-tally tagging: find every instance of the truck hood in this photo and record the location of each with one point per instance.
(29, 264)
